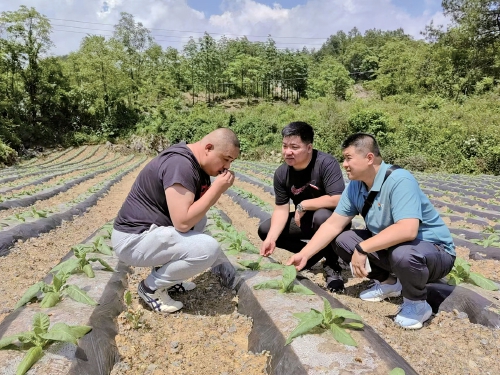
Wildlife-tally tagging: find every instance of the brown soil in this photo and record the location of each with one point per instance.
(445, 345)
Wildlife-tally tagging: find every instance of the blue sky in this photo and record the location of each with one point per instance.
(291, 23)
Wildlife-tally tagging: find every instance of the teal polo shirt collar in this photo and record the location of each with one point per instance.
(379, 179)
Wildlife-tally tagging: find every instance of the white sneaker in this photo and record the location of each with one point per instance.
(159, 301)
(379, 292)
(412, 314)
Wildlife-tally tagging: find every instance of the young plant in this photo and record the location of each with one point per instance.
(55, 291)
(492, 240)
(80, 263)
(237, 242)
(108, 227)
(329, 318)
(461, 273)
(39, 337)
(98, 246)
(286, 284)
(134, 317)
(397, 371)
(256, 265)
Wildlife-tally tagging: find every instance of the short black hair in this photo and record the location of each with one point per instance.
(300, 128)
(362, 141)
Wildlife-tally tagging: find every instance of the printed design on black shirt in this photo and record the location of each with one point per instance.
(311, 183)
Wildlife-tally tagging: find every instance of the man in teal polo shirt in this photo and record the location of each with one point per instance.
(405, 240)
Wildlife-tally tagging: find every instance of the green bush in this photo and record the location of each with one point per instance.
(7, 155)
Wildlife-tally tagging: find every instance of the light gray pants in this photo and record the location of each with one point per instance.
(173, 256)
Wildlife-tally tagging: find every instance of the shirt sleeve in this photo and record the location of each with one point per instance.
(346, 206)
(280, 194)
(179, 171)
(333, 180)
(406, 200)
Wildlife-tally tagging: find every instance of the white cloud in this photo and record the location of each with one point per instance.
(315, 19)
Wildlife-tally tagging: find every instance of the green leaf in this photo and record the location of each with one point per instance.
(41, 323)
(289, 275)
(79, 295)
(354, 325)
(67, 266)
(33, 355)
(341, 335)
(271, 266)
(50, 299)
(29, 294)
(482, 281)
(327, 311)
(87, 269)
(301, 289)
(397, 371)
(307, 323)
(57, 282)
(60, 332)
(6, 341)
(80, 331)
(106, 266)
(346, 314)
(454, 279)
(105, 249)
(271, 284)
(128, 298)
(251, 264)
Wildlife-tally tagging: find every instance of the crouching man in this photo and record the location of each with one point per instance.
(405, 240)
(161, 222)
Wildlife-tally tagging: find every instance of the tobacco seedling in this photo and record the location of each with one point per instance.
(492, 240)
(256, 265)
(54, 292)
(329, 318)
(80, 263)
(397, 371)
(134, 317)
(39, 337)
(98, 246)
(108, 228)
(461, 273)
(286, 284)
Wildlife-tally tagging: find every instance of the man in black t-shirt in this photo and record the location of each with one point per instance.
(161, 222)
(313, 181)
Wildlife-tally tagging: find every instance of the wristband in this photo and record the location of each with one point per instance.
(360, 249)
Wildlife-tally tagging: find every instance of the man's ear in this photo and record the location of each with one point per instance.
(309, 147)
(209, 147)
(371, 158)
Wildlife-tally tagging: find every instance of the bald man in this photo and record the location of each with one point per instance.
(160, 224)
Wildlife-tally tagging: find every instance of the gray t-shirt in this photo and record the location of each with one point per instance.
(146, 203)
(321, 177)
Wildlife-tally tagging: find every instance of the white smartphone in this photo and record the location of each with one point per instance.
(367, 267)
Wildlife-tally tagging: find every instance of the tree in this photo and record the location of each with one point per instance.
(328, 78)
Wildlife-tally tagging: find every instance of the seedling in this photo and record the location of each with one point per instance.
(80, 263)
(397, 371)
(237, 242)
(134, 317)
(286, 284)
(492, 240)
(329, 318)
(98, 246)
(108, 227)
(39, 337)
(256, 265)
(461, 273)
(55, 291)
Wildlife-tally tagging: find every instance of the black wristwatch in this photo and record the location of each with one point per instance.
(299, 208)
(360, 249)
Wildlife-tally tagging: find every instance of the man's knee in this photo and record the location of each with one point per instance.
(264, 229)
(320, 216)
(406, 257)
(212, 247)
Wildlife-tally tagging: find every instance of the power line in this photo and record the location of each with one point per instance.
(197, 32)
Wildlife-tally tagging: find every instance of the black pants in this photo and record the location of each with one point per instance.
(414, 263)
(291, 236)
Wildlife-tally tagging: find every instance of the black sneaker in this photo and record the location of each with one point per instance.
(158, 300)
(334, 281)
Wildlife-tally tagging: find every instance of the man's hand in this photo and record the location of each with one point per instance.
(267, 247)
(298, 216)
(358, 262)
(298, 260)
(223, 181)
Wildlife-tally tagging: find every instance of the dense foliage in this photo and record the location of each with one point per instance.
(432, 103)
